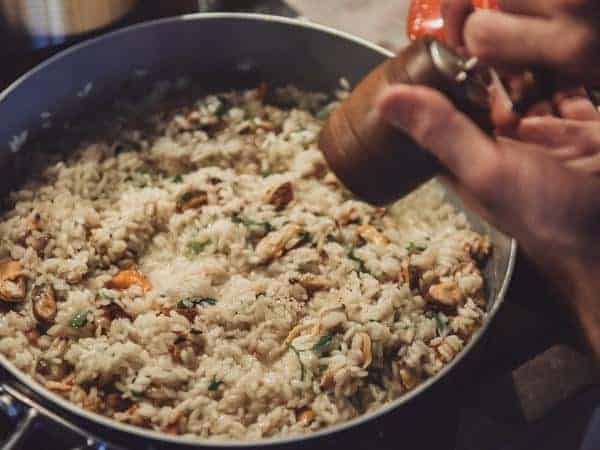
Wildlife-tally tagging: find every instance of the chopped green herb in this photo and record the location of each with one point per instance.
(137, 393)
(196, 247)
(177, 179)
(413, 248)
(185, 304)
(361, 264)
(323, 344)
(330, 238)
(224, 106)
(207, 301)
(79, 320)
(189, 303)
(376, 377)
(266, 173)
(187, 196)
(125, 147)
(251, 224)
(356, 402)
(297, 352)
(441, 323)
(283, 102)
(105, 295)
(214, 384)
(323, 113)
(305, 238)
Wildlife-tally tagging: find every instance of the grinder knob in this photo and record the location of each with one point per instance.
(378, 162)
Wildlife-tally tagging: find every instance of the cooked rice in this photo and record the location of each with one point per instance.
(213, 279)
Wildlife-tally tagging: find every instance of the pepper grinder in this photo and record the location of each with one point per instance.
(379, 163)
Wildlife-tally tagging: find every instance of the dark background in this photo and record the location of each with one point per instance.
(528, 386)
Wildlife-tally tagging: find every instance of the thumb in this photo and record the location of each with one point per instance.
(436, 125)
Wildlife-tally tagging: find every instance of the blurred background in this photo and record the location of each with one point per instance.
(32, 30)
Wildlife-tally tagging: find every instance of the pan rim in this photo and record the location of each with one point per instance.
(142, 433)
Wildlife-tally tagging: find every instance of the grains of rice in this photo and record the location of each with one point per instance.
(212, 279)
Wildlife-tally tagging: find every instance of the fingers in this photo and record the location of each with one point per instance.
(544, 108)
(576, 105)
(529, 7)
(556, 133)
(502, 39)
(455, 13)
(549, 8)
(433, 122)
(565, 154)
(502, 114)
(590, 164)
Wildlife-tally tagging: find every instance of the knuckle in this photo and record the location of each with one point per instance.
(576, 45)
(432, 121)
(486, 179)
(453, 9)
(574, 6)
(480, 41)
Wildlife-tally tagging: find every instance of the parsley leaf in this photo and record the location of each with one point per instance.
(177, 179)
(297, 352)
(361, 264)
(224, 106)
(196, 247)
(188, 303)
(305, 238)
(251, 224)
(214, 384)
(323, 344)
(79, 320)
(331, 238)
(375, 377)
(441, 323)
(413, 248)
(356, 401)
(323, 113)
(102, 293)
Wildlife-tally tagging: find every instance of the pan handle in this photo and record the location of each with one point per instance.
(25, 423)
(23, 415)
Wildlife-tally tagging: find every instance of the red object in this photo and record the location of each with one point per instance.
(486, 4)
(425, 17)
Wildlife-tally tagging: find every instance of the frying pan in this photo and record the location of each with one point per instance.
(235, 50)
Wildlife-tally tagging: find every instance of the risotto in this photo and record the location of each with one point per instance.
(205, 275)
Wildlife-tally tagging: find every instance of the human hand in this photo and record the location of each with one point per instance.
(551, 209)
(562, 35)
(568, 128)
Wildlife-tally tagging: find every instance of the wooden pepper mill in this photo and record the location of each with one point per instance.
(377, 162)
